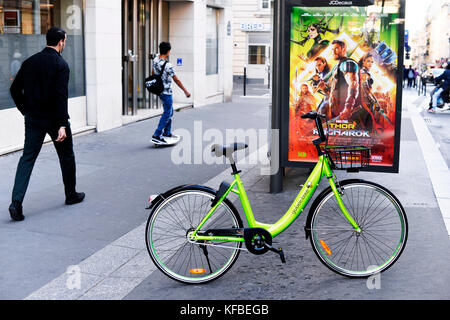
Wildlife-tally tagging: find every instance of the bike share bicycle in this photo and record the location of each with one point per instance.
(357, 228)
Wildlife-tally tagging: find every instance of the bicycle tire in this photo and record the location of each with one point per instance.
(171, 221)
(383, 236)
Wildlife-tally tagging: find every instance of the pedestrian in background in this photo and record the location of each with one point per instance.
(416, 73)
(40, 92)
(410, 75)
(405, 76)
(164, 129)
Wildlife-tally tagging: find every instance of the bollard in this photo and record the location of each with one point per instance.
(245, 81)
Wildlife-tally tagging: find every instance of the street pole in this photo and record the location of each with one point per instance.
(245, 81)
(276, 179)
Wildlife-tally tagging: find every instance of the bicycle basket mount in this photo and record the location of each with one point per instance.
(348, 157)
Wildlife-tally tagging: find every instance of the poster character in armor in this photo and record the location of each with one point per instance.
(372, 113)
(344, 97)
(322, 69)
(319, 85)
(316, 32)
(305, 103)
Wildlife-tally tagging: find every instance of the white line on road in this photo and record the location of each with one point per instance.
(437, 167)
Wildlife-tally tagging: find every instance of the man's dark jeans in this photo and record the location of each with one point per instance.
(165, 123)
(35, 131)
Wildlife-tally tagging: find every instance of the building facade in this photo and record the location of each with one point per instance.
(110, 48)
(431, 43)
(439, 31)
(252, 38)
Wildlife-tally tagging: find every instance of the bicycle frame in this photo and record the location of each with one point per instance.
(322, 169)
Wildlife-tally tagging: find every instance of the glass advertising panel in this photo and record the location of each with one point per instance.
(344, 63)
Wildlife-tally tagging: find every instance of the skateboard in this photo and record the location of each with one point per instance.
(170, 142)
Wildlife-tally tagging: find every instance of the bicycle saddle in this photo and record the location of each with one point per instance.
(227, 150)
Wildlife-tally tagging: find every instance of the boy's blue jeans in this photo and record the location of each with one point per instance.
(165, 123)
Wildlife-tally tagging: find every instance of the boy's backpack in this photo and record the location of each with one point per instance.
(154, 83)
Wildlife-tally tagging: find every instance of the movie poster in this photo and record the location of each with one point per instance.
(343, 64)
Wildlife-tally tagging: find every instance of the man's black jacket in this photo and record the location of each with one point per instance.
(40, 88)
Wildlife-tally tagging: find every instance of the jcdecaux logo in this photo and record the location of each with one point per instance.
(341, 3)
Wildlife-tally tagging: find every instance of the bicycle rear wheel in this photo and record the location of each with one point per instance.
(383, 225)
(168, 230)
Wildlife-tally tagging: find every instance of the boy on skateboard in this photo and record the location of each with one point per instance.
(163, 134)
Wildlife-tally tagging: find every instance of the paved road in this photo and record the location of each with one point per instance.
(118, 170)
(438, 124)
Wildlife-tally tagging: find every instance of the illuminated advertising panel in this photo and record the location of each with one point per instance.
(345, 61)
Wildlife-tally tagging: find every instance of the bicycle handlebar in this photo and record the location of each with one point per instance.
(313, 115)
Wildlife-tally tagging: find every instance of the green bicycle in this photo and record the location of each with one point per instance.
(194, 234)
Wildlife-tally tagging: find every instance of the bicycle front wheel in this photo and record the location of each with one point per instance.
(172, 222)
(383, 225)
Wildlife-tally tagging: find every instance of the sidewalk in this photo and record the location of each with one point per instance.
(421, 273)
(118, 170)
(104, 236)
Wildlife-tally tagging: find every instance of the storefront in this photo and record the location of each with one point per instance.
(23, 26)
(110, 50)
(252, 40)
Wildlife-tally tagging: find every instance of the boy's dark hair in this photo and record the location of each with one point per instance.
(54, 36)
(164, 47)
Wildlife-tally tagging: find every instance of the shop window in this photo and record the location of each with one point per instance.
(23, 26)
(256, 54)
(212, 41)
(265, 4)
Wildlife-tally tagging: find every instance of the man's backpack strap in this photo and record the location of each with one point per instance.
(163, 68)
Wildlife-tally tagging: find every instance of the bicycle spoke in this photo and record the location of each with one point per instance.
(350, 252)
(171, 248)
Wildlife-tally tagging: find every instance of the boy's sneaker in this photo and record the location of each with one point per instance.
(171, 136)
(431, 110)
(158, 140)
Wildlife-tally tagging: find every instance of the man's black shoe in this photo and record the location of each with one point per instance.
(77, 197)
(15, 210)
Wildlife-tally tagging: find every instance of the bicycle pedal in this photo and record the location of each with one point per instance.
(279, 251)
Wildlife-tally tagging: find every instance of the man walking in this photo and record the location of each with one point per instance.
(165, 69)
(40, 92)
(410, 73)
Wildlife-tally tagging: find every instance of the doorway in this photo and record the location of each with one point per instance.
(141, 24)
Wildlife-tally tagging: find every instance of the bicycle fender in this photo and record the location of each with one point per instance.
(163, 196)
(319, 199)
(224, 186)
